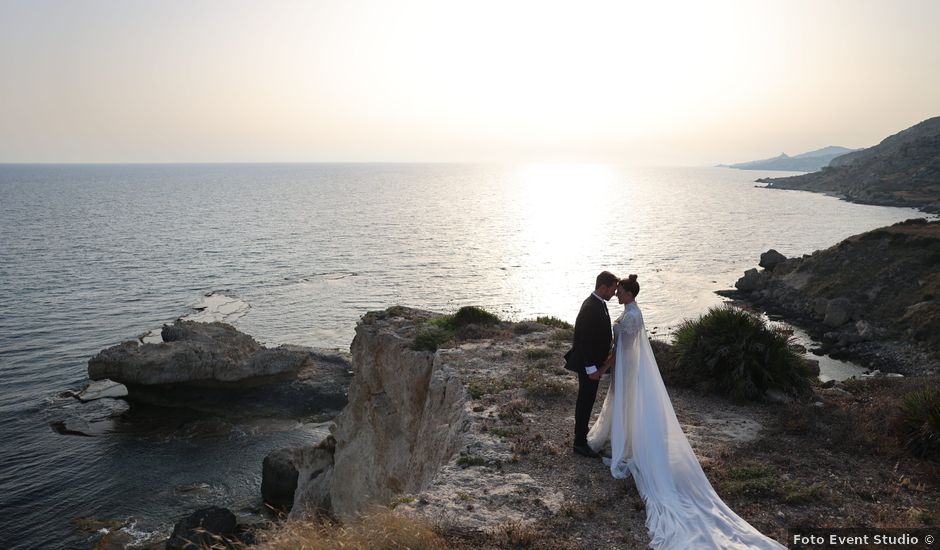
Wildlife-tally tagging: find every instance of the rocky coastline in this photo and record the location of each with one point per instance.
(902, 170)
(872, 298)
(473, 439)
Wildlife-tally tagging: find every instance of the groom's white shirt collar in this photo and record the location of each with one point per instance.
(598, 297)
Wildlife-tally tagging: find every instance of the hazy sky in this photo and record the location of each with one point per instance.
(647, 83)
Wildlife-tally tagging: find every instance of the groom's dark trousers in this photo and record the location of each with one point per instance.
(592, 337)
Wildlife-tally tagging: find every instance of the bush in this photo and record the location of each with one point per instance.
(469, 323)
(553, 322)
(431, 338)
(472, 315)
(734, 353)
(920, 421)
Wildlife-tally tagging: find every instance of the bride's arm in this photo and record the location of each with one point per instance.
(608, 363)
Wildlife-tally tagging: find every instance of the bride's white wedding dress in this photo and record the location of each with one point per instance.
(682, 509)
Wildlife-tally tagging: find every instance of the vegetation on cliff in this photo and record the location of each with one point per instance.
(902, 170)
(468, 322)
(733, 352)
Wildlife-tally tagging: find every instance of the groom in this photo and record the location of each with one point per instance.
(592, 337)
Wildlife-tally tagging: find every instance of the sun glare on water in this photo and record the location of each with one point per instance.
(561, 225)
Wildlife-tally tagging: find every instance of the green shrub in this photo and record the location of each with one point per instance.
(920, 419)
(475, 391)
(553, 322)
(734, 353)
(460, 325)
(431, 338)
(465, 460)
(502, 432)
(473, 315)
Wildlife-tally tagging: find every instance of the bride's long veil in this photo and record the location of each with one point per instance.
(682, 508)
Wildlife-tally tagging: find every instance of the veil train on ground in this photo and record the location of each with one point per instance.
(647, 442)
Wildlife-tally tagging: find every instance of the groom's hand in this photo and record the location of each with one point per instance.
(596, 375)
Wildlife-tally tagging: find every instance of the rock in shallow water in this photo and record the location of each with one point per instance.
(101, 389)
(199, 528)
(750, 281)
(195, 353)
(771, 259)
(279, 478)
(89, 419)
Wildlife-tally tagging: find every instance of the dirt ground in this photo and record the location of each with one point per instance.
(830, 460)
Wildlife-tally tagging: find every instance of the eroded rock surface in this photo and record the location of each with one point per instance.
(404, 420)
(195, 353)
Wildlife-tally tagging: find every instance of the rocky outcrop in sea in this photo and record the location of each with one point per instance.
(214, 368)
(206, 354)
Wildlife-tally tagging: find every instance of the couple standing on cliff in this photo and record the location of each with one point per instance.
(637, 419)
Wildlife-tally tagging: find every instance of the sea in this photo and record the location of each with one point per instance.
(92, 255)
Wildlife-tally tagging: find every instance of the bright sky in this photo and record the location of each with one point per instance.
(649, 83)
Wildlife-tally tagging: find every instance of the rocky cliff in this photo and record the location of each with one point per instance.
(410, 436)
(902, 170)
(874, 297)
(405, 419)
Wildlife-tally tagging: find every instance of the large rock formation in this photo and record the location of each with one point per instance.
(902, 170)
(873, 297)
(195, 353)
(404, 421)
(217, 370)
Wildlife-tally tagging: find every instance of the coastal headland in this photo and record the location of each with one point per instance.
(902, 170)
(468, 434)
(872, 298)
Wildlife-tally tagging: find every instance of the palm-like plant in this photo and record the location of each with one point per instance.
(920, 418)
(733, 352)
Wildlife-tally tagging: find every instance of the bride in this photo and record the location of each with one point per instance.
(682, 509)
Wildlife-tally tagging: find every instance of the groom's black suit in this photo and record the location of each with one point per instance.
(592, 337)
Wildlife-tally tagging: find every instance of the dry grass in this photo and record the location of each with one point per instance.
(514, 410)
(380, 529)
(515, 534)
(875, 418)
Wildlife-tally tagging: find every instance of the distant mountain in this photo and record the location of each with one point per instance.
(805, 162)
(902, 170)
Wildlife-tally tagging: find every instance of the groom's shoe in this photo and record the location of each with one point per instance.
(584, 450)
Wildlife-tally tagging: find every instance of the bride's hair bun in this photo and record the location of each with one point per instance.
(630, 285)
